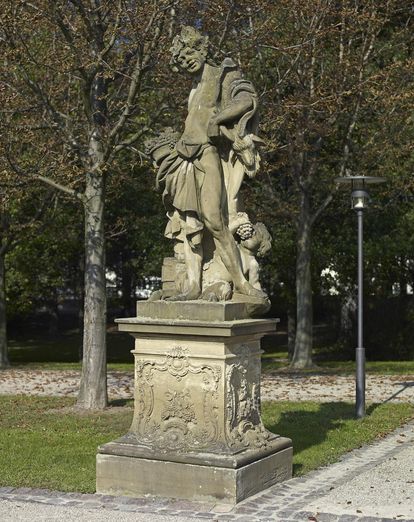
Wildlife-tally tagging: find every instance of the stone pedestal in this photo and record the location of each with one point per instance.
(196, 432)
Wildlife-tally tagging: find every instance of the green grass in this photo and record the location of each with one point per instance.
(44, 444)
(322, 432)
(63, 353)
(374, 367)
(40, 448)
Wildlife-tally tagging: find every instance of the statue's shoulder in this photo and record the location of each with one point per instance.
(229, 72)
(233, 81)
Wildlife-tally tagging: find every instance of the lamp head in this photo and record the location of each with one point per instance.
(359, 199)
(359, 184)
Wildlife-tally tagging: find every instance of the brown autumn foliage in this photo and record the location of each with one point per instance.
(87, 80)
(328, 75)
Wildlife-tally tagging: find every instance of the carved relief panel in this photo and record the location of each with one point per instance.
(176, 402)
(244, 427)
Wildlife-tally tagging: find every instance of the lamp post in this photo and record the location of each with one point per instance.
(359, 202)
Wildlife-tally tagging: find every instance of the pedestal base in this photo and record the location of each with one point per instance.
(197, 432)
(132, 476)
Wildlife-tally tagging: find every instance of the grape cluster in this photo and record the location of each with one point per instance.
(167, 137)
(245, 231)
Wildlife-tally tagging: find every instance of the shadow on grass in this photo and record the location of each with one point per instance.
(308, 424)
(118, 403)
(66, 349)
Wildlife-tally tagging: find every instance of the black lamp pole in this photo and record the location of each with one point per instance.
(360, 350)
(360, 199)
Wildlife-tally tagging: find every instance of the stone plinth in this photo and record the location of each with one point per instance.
(197, 431)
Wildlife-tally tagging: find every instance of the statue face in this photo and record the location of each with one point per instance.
(191, 60)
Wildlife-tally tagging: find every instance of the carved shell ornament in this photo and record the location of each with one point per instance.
(178, 363)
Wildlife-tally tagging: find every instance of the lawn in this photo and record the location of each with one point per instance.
(63, 353)
(44, 444)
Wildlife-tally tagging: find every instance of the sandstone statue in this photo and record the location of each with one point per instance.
(197, 431)
(200, 172)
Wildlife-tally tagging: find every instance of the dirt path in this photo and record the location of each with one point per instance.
(322, 388)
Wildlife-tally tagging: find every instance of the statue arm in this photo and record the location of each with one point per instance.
(239, 106)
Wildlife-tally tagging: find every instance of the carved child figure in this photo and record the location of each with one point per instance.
(256, 246)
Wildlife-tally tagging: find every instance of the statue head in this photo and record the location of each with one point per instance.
(190, 50)
(260, 242)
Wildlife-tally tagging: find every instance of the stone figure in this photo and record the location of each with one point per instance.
(200, 173)
(198, 363)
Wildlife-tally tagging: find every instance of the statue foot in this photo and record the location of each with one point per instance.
(155, 296)
(191, 295)
(247, 289)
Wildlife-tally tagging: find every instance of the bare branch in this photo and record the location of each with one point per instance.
(132, 139)
(322, 206)
(58, 186)
(69, 39)
(140, 64)
(59, 119)
(112, 40)
(34, 175)
(226, 27)
(85, 17)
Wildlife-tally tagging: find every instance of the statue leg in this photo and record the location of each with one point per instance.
(212, 212)
(233, 177)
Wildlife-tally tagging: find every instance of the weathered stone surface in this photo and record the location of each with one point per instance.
(197, 405)
(200, 172)
(120, 475)
(168, 272)
(202, 310)
(137, 326)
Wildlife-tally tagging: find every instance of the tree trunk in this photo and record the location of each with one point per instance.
(291, 330)
(4, 358)
(93, 387)
(80, 293)
(302, 357)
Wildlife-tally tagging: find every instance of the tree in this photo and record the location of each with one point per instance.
(84, 91)
(21, 211)
(79, 70)
(321, 64)
(136, 245)
(4, 246)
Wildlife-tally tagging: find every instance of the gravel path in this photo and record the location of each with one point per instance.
(322, 388)
(388, 489)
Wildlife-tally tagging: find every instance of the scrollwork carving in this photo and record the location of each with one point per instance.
(244, 427)
(174, 424)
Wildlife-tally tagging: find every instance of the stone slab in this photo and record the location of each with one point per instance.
(190, 310)
(195, 327)
(121, 475)
(125, 446)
